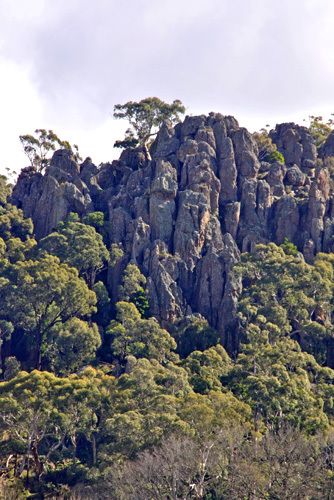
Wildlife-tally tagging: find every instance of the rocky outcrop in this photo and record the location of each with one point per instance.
(296, 144)
(327, 149)
(184, 210)
(49, 198)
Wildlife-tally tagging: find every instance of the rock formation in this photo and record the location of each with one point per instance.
(184, 211)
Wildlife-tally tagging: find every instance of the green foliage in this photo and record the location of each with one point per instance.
(207, 414)
(282, 295)
(203, 426)
(102, 316)
(39, 146)
(12, 489)
(142, 338)
(207, 368)
(267, 149)
(38, 294)
(276, 381)
(12, 368)
(145, 117)
(5, 190)
(129, 141)
(320, 129)
(80, 246)
(6, 330)
(13, 224)
(289, 248)
(275, 156)
(14, 249)
(69, 472)
(95, 219)
(116, 254)
(71, 217)
(71, 345)
(46, 414)
(145, 407)
(132, 282)
(194, 334)
(140, 300)
(131, 288)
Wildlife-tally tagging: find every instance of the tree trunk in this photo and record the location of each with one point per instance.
(1, 360)
(330, 353)
(38, 352)
(38, 463)
(94, 449)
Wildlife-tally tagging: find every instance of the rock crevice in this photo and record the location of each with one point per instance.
(185, 211)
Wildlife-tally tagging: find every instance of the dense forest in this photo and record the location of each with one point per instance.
(130, 369)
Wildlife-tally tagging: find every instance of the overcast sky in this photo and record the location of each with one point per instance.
(65, 63)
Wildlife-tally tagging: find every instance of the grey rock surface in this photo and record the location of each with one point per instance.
(184, 210)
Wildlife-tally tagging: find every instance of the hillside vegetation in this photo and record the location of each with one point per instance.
(166, 320)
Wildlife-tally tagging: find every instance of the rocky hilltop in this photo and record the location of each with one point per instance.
(184, 210)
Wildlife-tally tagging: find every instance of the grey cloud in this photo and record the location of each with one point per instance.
(247, 55)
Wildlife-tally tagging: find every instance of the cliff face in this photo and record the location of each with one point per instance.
(185, 211)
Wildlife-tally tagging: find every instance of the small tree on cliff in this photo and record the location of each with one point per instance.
(39, 146)
(145, 118)
(267, 149)
(320, 129)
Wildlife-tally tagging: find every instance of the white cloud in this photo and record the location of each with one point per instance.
(21, 111)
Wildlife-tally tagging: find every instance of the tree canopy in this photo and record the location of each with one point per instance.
(268, 151)
(100, 400)
(131, 335)
(80, 246)
(36, 295)
(284, 296)
(145, 117)
(39, 146)
(320, 129)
